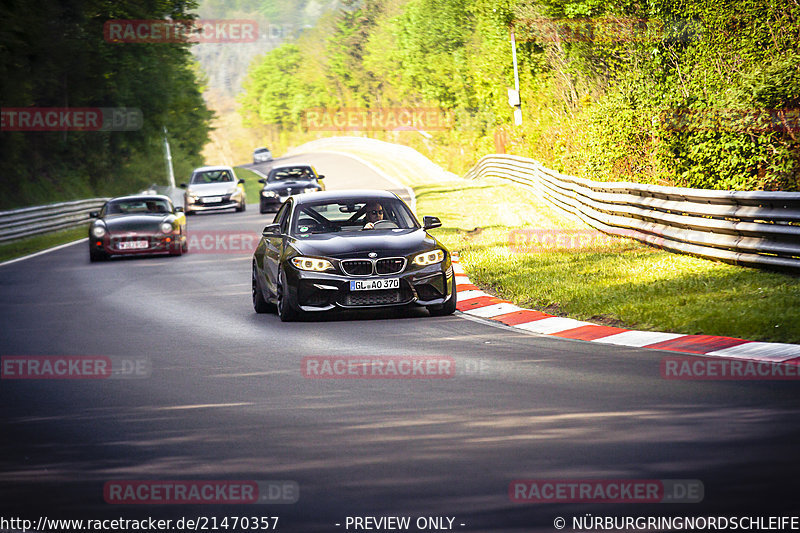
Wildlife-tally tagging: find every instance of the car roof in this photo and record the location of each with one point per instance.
(142, 197)
(213, 167)
(262, 149)
(358, 195)
(287, 165)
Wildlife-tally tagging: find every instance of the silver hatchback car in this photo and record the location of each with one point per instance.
(262, 155)
(213, 189)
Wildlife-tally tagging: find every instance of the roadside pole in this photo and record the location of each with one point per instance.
(168, 155)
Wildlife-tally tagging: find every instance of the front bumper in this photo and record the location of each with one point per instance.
(115, 244)
(320, 291)
(201, 204)
(270, 203)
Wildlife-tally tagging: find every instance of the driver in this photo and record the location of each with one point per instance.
(374, 213)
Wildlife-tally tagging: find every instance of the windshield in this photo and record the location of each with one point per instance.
(139, 206)
(212, 176)
(351, 216)
(291, 173)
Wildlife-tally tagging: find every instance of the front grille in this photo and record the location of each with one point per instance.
(393, 265)
(357, 267)
(391, 296)
(364, 267)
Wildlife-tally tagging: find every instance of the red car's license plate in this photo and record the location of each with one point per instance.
(132, 245)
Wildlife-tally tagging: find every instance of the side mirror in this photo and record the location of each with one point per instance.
(272, 230)
(183, 185)
(94, 214)
(178, 209)
(241, 181)
(262, 180)
(431, 222)
(321, 176)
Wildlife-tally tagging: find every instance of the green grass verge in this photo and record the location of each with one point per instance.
(252, 188)
(610, 280)
(38, 243)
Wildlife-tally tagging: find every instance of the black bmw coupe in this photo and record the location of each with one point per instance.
(350, 250)
(287, 180)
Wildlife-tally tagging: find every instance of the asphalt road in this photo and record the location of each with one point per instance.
(226, 400)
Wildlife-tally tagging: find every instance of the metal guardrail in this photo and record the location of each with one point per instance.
(30, 221)
(755, 229)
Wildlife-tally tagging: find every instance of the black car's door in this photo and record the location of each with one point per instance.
(275, 245)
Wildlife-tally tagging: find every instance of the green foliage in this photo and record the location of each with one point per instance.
(56, 54)
(699, 93)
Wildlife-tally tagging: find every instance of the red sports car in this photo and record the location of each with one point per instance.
(137, 225)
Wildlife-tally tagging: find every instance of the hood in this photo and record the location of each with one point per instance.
(137, 223)
(386, 243)
(211, 189)
(289, 184)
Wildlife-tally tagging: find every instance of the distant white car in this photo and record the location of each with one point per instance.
(213, 189)
(262, 155)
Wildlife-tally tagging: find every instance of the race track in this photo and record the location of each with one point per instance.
(226, 400)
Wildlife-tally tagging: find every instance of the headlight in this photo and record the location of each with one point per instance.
(429, 258)
(232, 190)
(98, 231)
(268, 194)
(311, 263)
(191, 198)
(166, 227)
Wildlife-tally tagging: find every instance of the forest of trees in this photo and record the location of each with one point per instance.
(53, 54)
(697, 93)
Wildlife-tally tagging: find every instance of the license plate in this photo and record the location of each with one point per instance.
(374, 284)
(132, 245)
(212, 199)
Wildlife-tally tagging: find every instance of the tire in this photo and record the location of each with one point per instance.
(185, 245)
(260, 305)
(286, 308)
(449, 307)
(96, 256)
(176, 249)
